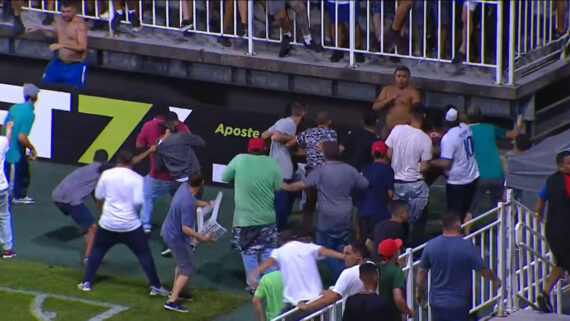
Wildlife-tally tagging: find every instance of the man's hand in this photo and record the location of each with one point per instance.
(420, 296)
(520, 121)
(496, 285)
(55, 46)
(32, 154)
(9, 125)
(205, 238)
(152, 148)
(276, 136)
(34, 29)
(303, 306)
(391, 99)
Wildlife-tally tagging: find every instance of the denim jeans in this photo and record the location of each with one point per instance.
(21, 175)
(334, 241)
(449, 314)
(251, 261)
(152, 189)
(284, 206)
(5, 221)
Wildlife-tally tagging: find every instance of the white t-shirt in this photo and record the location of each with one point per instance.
(4, 146)
(457, 146)
(409, 146)
(122, 190)
(349, 283)
(298, 264)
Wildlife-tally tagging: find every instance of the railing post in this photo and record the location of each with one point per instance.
(410, 278)
(502, 257)
(512, 39)
(511, 250)
(250, 27)
(352, 27)
(111, 16)
(499, 44)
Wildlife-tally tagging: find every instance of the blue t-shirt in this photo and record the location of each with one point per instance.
(542, 194)
(451, 260)
(182, 212)
(23, 117)
(486, 152)
(372, 202)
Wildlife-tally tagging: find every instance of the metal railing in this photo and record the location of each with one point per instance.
(492, 34)
(510, 240)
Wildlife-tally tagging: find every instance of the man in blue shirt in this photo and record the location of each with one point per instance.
(372, 203)
(23, 117)
(451, 260)
(177, 230)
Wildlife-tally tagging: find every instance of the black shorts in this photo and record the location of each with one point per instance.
(459, 197)
(561, 252)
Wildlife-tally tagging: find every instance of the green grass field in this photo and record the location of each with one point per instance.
(125, 291)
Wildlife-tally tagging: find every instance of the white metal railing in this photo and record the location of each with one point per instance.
(510, 241)
(495, 34)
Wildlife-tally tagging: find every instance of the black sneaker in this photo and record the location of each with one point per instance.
(224, 41)
(285, 49)
(18, 25)
(135, 21)
(116, 22)
(186, 25)
(337, 56)
(359, 57)
(459, 58)
(48, 19)
(313, 46)
(242, 30)
(544, 304)
(393, 38)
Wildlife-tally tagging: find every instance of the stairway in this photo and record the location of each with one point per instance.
(531, 315)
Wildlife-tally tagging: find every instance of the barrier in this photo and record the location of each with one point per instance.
(510, 240)
(494, 33)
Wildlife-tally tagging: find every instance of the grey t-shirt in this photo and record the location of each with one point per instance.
(77, 185)
(278, 150)
(182, 212)
(335, 182)
(451, 260)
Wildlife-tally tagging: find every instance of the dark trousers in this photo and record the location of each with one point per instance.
(135, 240)
(21, 175)
(284, 206)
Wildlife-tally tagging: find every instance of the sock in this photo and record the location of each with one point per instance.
(288, 34)
(307, 39)
(120, 11)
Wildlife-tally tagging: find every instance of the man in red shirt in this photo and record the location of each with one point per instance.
(157, 182)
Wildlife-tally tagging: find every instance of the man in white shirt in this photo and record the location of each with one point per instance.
(348, 283)
(409, 149)
(298, 264)
(458, 160)
(6, 239)
(121, 191)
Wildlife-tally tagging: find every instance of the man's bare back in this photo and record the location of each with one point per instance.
(71, 39)
(399, 105)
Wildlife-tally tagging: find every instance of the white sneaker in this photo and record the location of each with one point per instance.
(24, 200)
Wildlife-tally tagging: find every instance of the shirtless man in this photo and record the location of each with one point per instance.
(71, 33)
(396, 101)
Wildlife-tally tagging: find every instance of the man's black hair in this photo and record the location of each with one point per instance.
(370, 118)
(71, 3)
(474, 114)
(101, 156)
(125, 156)
(331, 151)
(417, 112)
(161, 109)
(402, 68)
(367, 270)
(434, 119)
(360, 248)
(448, 219)
(196, 179)
(523, 142)
(561, 155)
(397, 206)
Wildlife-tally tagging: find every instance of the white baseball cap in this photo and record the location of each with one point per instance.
(451, 115)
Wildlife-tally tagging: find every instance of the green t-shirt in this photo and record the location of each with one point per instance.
(486, 152)
(270, 288)
(23, 117)
(390, 277)
(255, 177)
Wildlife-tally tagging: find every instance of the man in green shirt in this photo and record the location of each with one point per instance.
(256, 178)
(270, 288)
(23, 117)
(485, 135)
(391, 281)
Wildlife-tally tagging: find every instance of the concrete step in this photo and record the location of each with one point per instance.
(531, 315)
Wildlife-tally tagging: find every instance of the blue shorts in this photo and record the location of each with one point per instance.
(79, 213)
(72, 74)
(343, 12)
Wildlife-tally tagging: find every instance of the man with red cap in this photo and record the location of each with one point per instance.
(372, 203)
(391, 279)
(256, 178)
(409, 149)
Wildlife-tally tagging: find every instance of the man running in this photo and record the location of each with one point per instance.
(68, 196)
(71, 33)
(396, 101)
(21, 148)
(557, 193)
(177, 230)
(121, 191)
